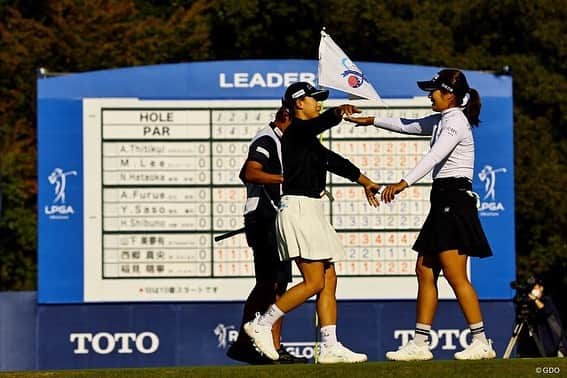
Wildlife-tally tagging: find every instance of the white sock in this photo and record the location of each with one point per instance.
(421, 334)
(271, 316)
(329, 335)
(477, 332)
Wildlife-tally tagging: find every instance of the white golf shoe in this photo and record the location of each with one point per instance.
(411, 352)
(478, 350)
(262, 337)
(338, 353)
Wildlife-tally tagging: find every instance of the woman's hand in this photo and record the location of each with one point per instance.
(390, 192)
(360, 121)
(370, 190)
(346, 110)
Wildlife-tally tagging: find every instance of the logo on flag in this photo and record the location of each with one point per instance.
(337, 71)
(354, 77)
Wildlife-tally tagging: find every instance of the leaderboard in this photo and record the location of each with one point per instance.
(164, 182)
(138, 174)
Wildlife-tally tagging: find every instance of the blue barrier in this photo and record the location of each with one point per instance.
(18, 314)
(84, 336)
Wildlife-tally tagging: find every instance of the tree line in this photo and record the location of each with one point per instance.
(78, 36)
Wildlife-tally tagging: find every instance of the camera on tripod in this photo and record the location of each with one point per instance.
(538, 314)
(525, 307)
(523, 287)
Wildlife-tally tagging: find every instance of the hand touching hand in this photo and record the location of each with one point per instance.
(360, 121)
(346, 110)
(371, 189)
(390, 192)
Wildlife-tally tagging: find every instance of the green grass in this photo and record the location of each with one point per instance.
(554, 367)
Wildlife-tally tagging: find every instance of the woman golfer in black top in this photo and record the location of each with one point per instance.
(304, 232)
(452, 230)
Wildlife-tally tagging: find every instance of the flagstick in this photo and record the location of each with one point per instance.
(316, 318)
(321, 111)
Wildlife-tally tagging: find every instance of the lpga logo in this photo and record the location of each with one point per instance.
(355, 77)
(489, 205)
(59, 209)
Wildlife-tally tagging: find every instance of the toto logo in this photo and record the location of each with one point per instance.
(444, 337)
(122, 343)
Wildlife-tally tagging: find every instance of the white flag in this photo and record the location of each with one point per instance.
(337, 71)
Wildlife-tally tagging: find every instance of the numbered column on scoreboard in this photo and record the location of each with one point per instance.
(232, 131)
(378, 241)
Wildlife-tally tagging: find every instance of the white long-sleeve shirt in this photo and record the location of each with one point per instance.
(452, 143)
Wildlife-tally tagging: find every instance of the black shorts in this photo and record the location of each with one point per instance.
(452, 222)
(261, 237)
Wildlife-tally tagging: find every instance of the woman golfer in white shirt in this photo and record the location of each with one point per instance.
(452, 231)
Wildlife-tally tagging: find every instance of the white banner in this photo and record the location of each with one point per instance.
(337, 71)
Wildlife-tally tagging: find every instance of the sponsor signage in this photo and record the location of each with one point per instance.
(119, 342)
(99, 335)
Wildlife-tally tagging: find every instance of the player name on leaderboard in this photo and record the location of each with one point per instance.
(170, 184)
(156, 193)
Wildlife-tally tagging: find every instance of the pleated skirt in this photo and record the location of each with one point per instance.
(303, 230)
(452, 222)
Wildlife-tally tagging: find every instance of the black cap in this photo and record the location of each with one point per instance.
(451, 80)
(439, 81)
(302, 88)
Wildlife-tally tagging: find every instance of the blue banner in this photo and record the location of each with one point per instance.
(18, 336)
(96, 336)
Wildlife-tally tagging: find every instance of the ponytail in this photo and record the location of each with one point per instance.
(282, 114)
(472, 107)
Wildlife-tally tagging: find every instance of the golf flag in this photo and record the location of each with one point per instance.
(337, 71)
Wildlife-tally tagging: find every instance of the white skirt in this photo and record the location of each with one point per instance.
(303, 230)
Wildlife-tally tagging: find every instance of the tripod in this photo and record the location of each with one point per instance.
(522, 320)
